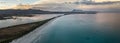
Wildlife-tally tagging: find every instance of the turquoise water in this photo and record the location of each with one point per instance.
(82, 28)
(79, 29)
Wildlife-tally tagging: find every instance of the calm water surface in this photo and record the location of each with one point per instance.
(81, 28)
(24, 20)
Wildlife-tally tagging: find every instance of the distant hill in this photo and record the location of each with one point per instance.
(19, 11)
(9, 13)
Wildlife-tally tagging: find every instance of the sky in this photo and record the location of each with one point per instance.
(10, 3)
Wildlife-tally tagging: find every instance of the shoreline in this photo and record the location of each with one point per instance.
(8, 34)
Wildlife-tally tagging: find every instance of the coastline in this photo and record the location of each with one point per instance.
(14, 32)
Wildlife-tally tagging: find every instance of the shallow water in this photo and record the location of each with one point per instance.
(81, 28)
(24, 20)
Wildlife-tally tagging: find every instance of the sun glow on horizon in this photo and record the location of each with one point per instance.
(5, 7)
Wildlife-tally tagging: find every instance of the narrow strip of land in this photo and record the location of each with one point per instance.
(13, 32)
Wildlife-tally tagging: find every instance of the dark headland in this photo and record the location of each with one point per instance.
(30, 12)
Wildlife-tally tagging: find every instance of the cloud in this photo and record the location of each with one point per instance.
(53, 1)
(61, 1)
(2, 2)
(7, 7)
